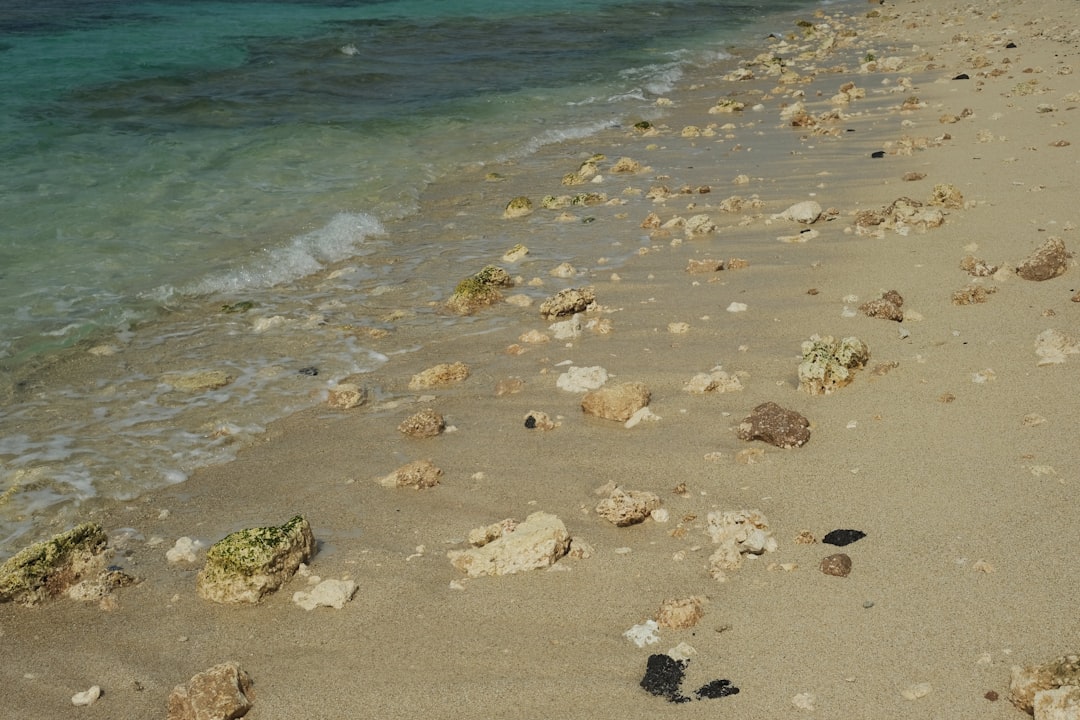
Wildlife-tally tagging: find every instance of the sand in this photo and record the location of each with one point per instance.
(956, 457)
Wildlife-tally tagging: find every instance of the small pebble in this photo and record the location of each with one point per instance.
(310, 371)
(838, 565)
(868, 604)
(87, 697)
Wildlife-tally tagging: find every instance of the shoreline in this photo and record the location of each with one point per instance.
(963, 485)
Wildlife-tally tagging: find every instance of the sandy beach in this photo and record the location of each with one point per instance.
(954, 449)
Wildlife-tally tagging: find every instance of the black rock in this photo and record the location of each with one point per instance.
(310, 371)
(840, 538)
(1011, 45)
(530, 422)
(717, 689)
(962, 76)
(663, 676)
(878, 154)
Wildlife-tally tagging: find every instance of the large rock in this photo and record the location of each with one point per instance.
(827, 364)
(50, 568)
(439, 376)
(246, 565)
(1029, 681)
(773, 424)
(1061, 703)
(479, 290)
(618, 402)
(1048, 261)
(737, 533)
(627, 507)
(568, 302)
(221, 693)
(538, 542)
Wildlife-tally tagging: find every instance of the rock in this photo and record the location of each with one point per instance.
(184, 550)
(707, 265)
(773, 424)
(841, 538)
(197, 381)
(1029, 680)
(538, 542)
(568, 302)
(1052, 346)
(664, 676)
(221, 693)
(805, 212)
(424, 424)
(418, 475)
(245, 565)
(972, 295)
(328, 593)
(838, 565)
(518, 207)
(346, 396)
(515, 253)
(536, 420)
(100, 587)
(623, 508)
(827, 364)
(578, 379)
(738, 533)
(716, 380)
(1048, 261)
(887, 307)
(680, 613)
(86, 697)
(567, 329)
(50, 568)
(1061, 703)
(947, 196)
(903, 215)
(977, 268)
(479, 537)
(479, 290)
(439, 375)
(618, 402)
(700, 225)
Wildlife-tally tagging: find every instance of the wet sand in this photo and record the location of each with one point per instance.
(956, 458)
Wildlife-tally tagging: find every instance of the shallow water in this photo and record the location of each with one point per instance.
(165, 160)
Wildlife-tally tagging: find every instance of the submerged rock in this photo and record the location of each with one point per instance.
(479, 290)
(568, 302)
(50, 568)
(773, 424)
(248, 564)
(346, 396)
(518, 207)
(827, 363)
(439, 375)
(221, 693)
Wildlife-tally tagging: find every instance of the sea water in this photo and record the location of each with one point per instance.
(155, 154)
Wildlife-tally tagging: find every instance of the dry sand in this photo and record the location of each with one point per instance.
(967, 500)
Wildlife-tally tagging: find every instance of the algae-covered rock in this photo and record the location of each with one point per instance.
(518, 207)
(567, 302)
(246, 565)
(47, 569)
(479, 290)
(827, 364)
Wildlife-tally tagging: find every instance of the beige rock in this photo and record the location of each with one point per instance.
(221, 693)
(418, 475)
(947, 196)
(738, 533)
(439, 376)
(200, 381)
(623, 508)
(718, 380)
(328, 593)
(1052, 347)
(248, 564)
(424, 424)
(618, 402)
(805, 212)
(888, 307)
(567, 302)
(345, 396)
(518, 207)
(680, 613)
(827, 364)
(1061, 703)
(537, 420)
(1028, 680)
(538, 542)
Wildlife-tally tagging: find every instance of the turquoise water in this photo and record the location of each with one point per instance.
(158, 153)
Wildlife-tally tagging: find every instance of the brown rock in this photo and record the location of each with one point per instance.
(424, 424)
(568, 302)
(887, 307)
(680, 613)
(345, 396)
(977, 268)
(221, 693)
(1028, 681)
(1048, 261)
(838, 565)
(947, 196)
(775, 425)
(439, 375)
(972, 295)
(618, 402)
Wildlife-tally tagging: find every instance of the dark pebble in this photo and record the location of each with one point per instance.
(663, 676)
(530, 422)
(717, 689)
(310, 371)
(991, 696)
(962, 76)
(840, 538)
(878, 154)
(1011, 45)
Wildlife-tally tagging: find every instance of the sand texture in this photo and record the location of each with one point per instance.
(939, 141)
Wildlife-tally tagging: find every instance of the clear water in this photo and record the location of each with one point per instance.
(155, 153)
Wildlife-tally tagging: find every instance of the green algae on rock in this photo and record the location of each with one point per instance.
(245, 565)
(827, 364)
(479, 290)
(47, 569)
